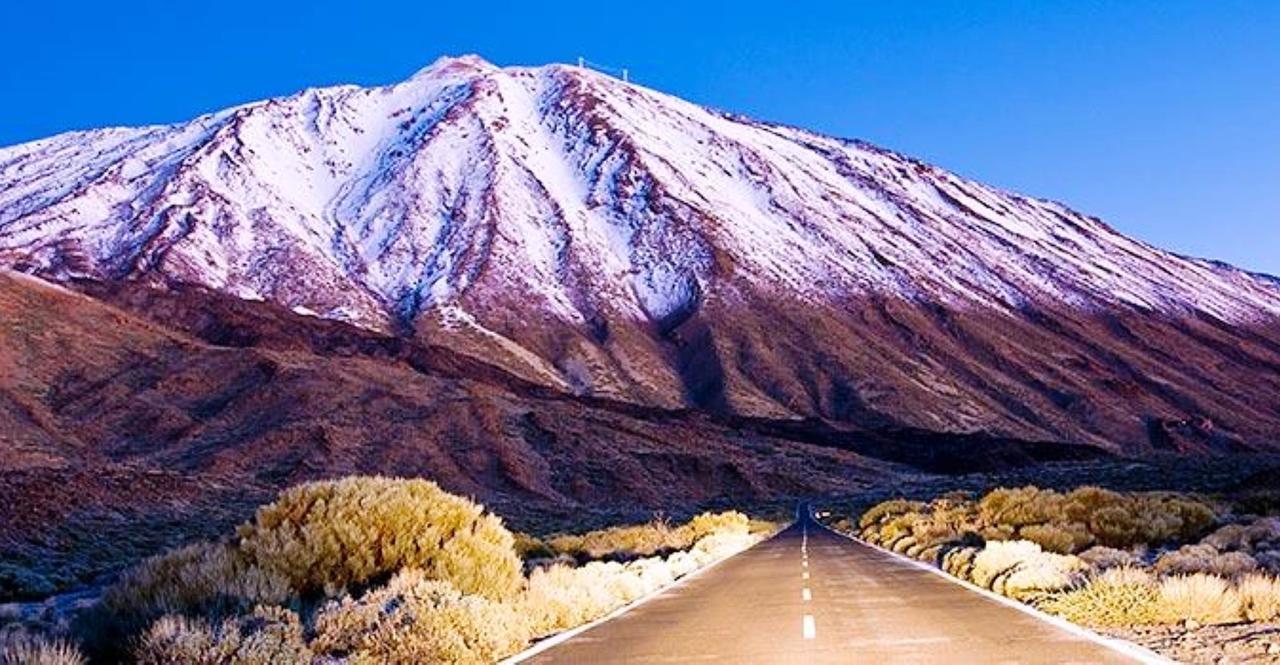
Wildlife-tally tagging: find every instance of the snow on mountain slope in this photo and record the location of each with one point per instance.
(574, 227)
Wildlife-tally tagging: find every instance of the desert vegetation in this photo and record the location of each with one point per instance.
(371, 570)
(1094, 556)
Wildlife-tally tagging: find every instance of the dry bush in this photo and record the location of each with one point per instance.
(1119, 597)
(416, 619)
(884, 511)
(655, 537)
(331, 535)
(1269, 561)
(958, 561)
(1022, 570)
(1203, 598)
(200, 578)
(1061, 538)
(21, 648)
(999, 558)
(1228, 538)
(1101, 557)
(1203, 558)
(705, 524)
(210, 579)
(1042, 575)
(268, 636)
(1023, 506)
(1260, 596)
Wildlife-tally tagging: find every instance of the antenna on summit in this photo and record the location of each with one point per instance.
(582, 62)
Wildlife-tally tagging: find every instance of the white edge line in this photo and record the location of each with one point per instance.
(1137, 652)
(566, 635)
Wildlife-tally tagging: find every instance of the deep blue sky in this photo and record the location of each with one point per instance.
(1161, 117)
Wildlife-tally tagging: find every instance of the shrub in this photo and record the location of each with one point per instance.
(1203, 598)
(1041, 575)
(958, 561)
(330, 535)
(1269, 561)
(1260, 597)
(1021, 507)
(210, 579)
(999, 558)
(1105, 558)
(1227, 538)
(1203, 558)
(418, 619)
(269, 635)
(1118, 597)
(705, 524)
(1060, 538)
(21, 648)
(886, 510)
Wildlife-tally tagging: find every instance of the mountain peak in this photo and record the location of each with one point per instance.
(469, 62)
(586, 234)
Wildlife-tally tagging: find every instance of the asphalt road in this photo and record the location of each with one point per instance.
(811, 596)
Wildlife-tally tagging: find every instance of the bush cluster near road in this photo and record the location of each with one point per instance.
(372, 570)
(1093, 556)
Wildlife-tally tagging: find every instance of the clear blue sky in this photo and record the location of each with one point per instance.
(1162, 117)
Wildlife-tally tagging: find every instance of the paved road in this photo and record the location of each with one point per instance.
(811, 596)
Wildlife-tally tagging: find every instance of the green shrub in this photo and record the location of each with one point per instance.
(331, 535)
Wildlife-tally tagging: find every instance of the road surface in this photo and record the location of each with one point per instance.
(811, 596)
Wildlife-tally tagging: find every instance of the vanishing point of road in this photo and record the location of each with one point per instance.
(809, 595)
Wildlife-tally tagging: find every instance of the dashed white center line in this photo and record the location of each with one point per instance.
(806, 595)
(804, 575)
(809, 630)
(805, 563)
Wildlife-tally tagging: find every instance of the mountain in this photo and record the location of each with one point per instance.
(602, 240)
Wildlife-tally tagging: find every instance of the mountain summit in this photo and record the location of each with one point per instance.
(607, 240)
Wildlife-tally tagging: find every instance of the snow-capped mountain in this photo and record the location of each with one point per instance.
(606, 239)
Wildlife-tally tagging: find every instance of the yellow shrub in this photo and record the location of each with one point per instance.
(1203, 598)
(1260, 596)
(705, 524)
(20, 648)
(1021, 507)
(331, 535)
(1118, 597)
(958, 561)
(268, 636)
(1060, 538)
(415, 619)
(886, 510)
(199, 578)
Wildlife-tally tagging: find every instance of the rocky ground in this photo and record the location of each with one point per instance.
(1210, 645)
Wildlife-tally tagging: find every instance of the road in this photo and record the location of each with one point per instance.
(811, 596)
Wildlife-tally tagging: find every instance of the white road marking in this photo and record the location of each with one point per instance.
(805, 575)
(805, 563)
(809, 630)
(806, 595)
